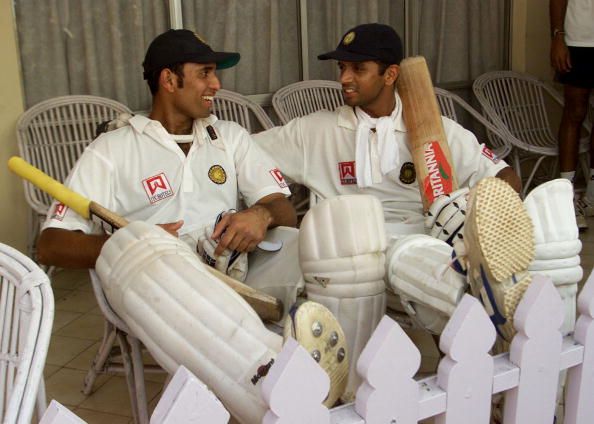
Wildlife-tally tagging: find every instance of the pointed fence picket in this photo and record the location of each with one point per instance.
(468, 375)
(461, 391)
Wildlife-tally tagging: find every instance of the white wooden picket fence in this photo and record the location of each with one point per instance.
(460, 392)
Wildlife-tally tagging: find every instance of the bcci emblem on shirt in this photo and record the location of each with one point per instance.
(157, 188)
(347, 173)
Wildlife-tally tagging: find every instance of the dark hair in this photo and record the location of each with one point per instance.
(153, 79)
(382, 66)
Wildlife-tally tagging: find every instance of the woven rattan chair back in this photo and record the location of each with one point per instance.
(305, 97)
(26, 315)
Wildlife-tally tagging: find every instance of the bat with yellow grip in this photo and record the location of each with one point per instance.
(426, 137)
(266, 306)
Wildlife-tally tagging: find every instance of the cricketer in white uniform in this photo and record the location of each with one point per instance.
(361, 148)
(179, 168)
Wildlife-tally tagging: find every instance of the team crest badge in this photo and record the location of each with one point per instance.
(347, 173)
(488, 153)
(348, 39)
(157, 188)
(407, 173)
(278, 177)
(217, 174)
(59, 211)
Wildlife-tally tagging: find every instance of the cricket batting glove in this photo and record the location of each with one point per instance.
(230, 262)
(445, 217)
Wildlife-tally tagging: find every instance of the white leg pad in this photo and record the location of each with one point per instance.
(551, 264)
(341, 244)
(562, 276)
(429, 288)
(557, 249)
(185, 316)
(550, 206)
(568, 295)
(557, 244)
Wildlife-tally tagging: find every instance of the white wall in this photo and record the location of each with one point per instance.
(531, 39)
(14, 210)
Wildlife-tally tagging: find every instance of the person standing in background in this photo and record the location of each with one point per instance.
(572, 57)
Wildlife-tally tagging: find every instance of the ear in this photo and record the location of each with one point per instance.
(391, 74)
(168, 80)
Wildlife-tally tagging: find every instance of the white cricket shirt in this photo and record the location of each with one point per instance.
(139, 172)
(318, 151)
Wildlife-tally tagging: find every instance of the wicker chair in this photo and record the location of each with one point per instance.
(52, 135)
(517, 102)
(452, 105)
(26, 314)
(305, 97)
(231, 106)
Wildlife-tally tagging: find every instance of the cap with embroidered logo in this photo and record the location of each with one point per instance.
(180, 46)
(368, 42)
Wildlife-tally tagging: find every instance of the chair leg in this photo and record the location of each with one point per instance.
(41, 401)
(531, 177)
(138, 368)
(101, 357)
(517, 165)
(127, 360)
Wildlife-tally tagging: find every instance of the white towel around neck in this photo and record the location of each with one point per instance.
(372, 161)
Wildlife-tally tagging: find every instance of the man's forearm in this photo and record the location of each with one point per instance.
(280, 210)
(557, 10)
(69, 249)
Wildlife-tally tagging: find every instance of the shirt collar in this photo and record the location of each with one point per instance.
(347, 118)
(139, 122)
(155, 130)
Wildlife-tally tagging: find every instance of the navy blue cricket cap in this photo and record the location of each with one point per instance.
(368, 42)
(181, 46)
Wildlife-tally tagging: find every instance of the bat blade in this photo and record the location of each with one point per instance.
(426, 136)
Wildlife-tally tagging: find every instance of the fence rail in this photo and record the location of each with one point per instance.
(461, 391)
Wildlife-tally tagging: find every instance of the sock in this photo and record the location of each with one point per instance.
(568, 175)
(590, 188)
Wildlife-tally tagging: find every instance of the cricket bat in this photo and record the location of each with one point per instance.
(267, 307)
(426, 137)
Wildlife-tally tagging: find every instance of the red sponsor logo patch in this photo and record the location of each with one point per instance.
(157, 188)
(348, 175)
(439, 173)
(60, 211)
(278, 177)
(488, 153)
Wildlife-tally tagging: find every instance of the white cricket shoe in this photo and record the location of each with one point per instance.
(319, 332)
(499, 241)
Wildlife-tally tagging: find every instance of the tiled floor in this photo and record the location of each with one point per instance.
(77, 331)
(78, 327)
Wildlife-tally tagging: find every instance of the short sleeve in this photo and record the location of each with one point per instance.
(92, 177)
(257, 175)
(285, 147)
(472, 161)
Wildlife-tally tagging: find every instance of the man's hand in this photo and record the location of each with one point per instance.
(242, 231)
(560, 59)
(446, 216)
(172, 227)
